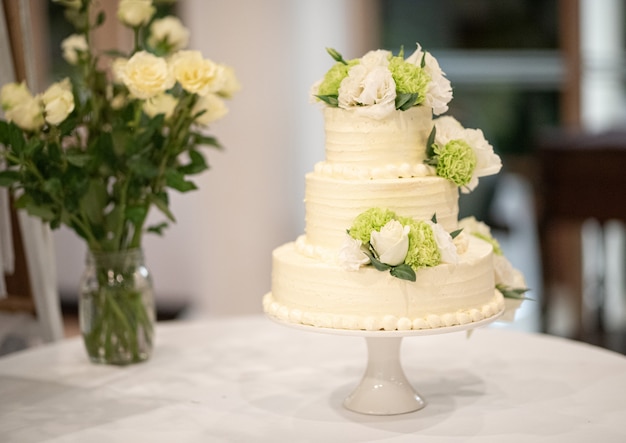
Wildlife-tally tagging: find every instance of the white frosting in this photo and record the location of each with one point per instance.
(352, 172)
(360, 141)
(309, 291)
(378, 163)
(332, 204)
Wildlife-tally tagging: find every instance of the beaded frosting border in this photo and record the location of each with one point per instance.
(381, 323)
(351, 172)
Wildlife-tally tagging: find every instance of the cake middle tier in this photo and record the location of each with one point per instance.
(332, 204)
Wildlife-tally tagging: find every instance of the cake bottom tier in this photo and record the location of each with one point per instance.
(312, 292)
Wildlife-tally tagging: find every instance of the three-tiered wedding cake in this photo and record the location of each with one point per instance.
(383, 248)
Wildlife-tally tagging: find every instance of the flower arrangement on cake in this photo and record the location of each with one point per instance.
(509, 281)
(377, 85)
(97, 150)
(460, 155)
(401, 245)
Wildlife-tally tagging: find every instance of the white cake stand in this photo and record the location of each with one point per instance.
(384, 388)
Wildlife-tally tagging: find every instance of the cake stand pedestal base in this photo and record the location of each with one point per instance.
(384, 389)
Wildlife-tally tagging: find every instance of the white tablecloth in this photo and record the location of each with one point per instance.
(247, 379)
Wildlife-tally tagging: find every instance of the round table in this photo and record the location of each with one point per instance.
(247, 379)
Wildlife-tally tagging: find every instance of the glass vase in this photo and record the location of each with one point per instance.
(116, 307)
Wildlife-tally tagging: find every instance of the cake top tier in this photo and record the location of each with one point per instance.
(378, 117)
(356, 140)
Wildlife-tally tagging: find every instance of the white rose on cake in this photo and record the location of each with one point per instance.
(391, 243)
(369, 88)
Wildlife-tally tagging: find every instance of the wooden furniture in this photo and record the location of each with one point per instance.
(582, 177)
(32, 286)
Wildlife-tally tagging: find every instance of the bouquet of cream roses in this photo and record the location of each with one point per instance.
(96, 151)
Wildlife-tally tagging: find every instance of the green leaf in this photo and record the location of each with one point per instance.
(336, 55)
(430, 143)
(79, 159)
(113, 221)
(330, 100)
(434, 218)
(157, 229)
(196, 165)
(4, 132)
(176, 180)
(94, 201)
(44, 212)
(403, 272)
(143, 167)
(455, 234)
(205, 140)
(432, 161)
(406, 101)
(11, 135)
(514, 293)
(9, 178)
(162, 203)
(32, 146)
(136, 214)
(100, 18)
(103, 147)
(53, 186)
(378, 264)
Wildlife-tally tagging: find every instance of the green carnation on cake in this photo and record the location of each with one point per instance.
(411, 82)
(371, 220)
(423, 248)
(456, 161)
(460, 155)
